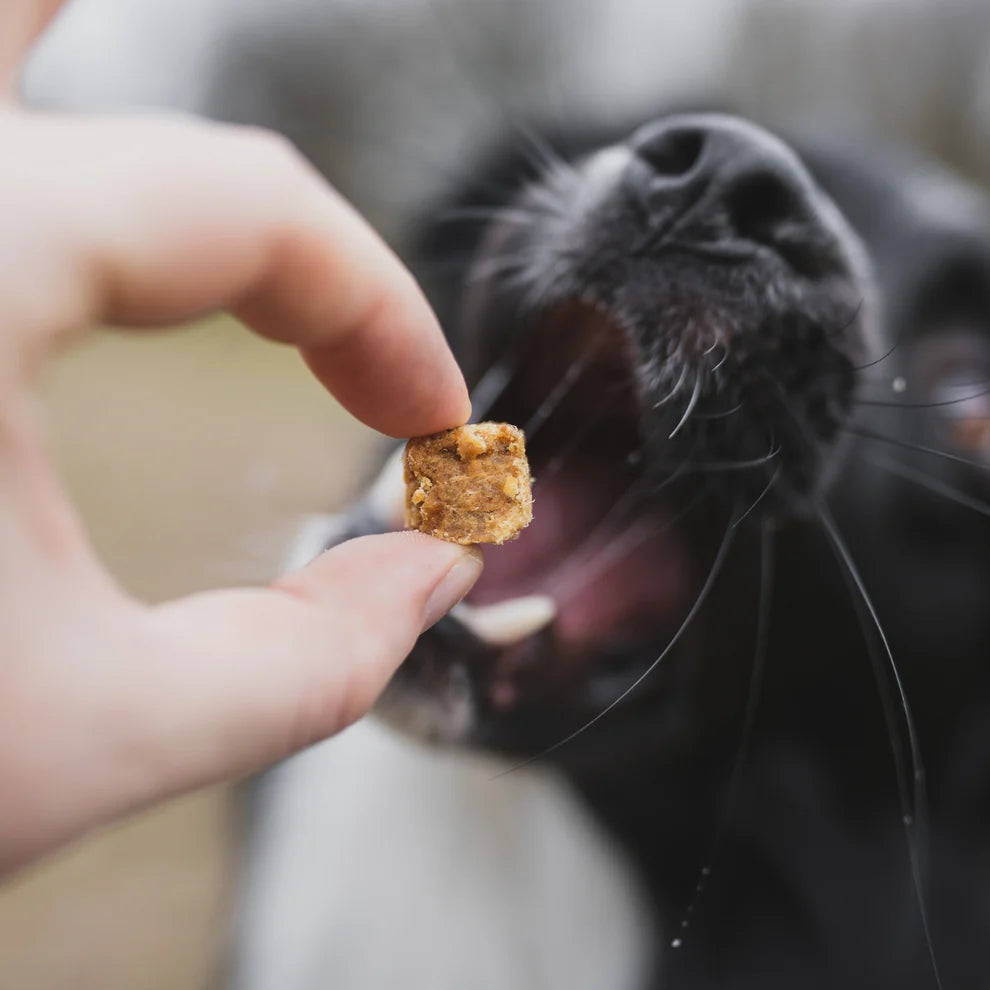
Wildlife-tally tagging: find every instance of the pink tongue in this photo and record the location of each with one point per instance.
(612, 579)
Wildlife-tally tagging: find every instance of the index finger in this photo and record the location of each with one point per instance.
(152, 220)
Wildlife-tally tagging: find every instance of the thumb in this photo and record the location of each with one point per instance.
(239, 679)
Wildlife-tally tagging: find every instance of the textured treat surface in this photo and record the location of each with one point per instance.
(470, 484)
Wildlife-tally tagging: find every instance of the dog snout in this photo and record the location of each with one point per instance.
(718, 179)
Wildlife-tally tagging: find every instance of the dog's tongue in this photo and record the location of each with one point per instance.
(614, 570)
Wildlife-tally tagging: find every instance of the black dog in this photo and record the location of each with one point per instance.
(752, 627)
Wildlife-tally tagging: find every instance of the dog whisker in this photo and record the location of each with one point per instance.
(713, 573)
(491, 386)
(887, 404)
(724, 414)
(560, 391)
(933, 485)
(763, 612)
(674, 390)
(910, 778)
(692, 402)
(725, 355)
(561, 458)
(620, 547)
(631, 497)
(496, 266)
(547, 156)
(759, 498)
(914, 807)
(868, 434)
(736, 465)
(486, 215)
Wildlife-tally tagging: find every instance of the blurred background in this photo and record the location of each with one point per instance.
(194, 455)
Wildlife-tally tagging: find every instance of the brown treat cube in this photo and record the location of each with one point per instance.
(470, 484)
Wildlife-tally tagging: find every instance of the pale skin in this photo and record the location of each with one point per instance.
(108, 704)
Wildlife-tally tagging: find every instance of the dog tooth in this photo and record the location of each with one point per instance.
(509, 622)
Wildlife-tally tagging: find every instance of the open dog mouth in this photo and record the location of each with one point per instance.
(601, 577)
(601, 567)
(632, 455)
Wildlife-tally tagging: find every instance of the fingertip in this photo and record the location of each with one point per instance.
(453, 586)
(442, 411)
(456, 411)
(362, 375)
(394, 568)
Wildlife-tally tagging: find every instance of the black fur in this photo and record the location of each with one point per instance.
(743, 364)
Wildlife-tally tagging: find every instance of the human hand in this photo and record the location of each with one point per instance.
(107, 704)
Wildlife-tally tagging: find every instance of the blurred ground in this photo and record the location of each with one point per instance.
(191, 456)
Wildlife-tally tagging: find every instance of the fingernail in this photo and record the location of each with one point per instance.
(453, 586)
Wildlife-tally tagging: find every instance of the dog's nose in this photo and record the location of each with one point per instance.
(721, 177)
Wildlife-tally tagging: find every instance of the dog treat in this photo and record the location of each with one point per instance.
(470, 484)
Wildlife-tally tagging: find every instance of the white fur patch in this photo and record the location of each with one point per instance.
(379, 864)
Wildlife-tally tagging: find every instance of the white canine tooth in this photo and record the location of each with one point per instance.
(509, 622)
(387, 498)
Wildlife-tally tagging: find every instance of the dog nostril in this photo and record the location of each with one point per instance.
(672, 151)
(724, 183)
(760, 204)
